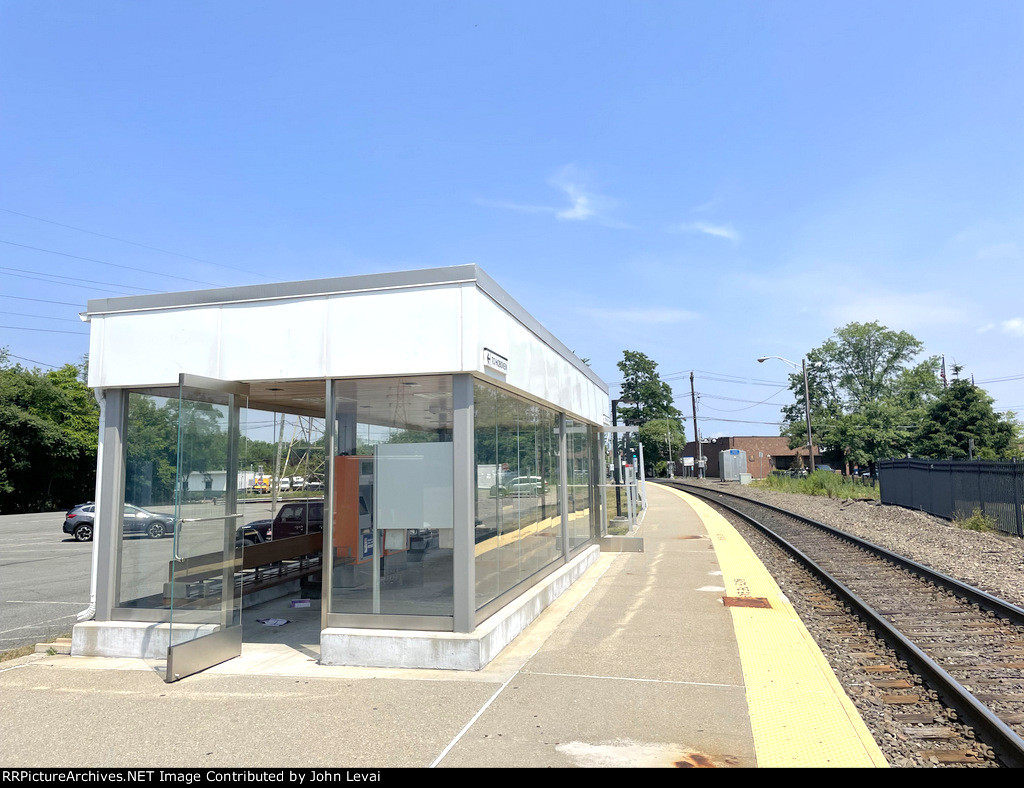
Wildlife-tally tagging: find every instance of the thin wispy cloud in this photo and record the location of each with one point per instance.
(1014, 326)
(903, 310)
(707, 228)
(582, 203)
(661, 316)
(908, 311)
(714, 202)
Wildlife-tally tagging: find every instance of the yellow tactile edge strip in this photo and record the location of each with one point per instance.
(799, 713)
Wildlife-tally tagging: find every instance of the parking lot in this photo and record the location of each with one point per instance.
(44, 578)
(45, 574)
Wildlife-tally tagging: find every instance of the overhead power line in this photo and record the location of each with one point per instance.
(132, 243)
(754, 403)
(1002, 380)
(42, 300)
(47, 330)
(70, 280)
(32, 361)
(115, 265)
(742, 379)
(745, 421)
(720, 377)
(42, 317)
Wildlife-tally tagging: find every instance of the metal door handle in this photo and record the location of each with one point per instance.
(177, 557)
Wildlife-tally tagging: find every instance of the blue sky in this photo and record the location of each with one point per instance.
(705, 182)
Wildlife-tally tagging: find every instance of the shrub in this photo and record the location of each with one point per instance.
(823, 483)
(976, 522)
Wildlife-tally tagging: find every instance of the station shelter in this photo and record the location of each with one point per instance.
(434, 458)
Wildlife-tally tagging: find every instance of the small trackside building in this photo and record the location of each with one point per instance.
(455, 444)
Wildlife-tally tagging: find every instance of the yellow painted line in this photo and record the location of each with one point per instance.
(513, 535)
(799, 713)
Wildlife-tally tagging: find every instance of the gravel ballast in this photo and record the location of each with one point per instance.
(991, 562)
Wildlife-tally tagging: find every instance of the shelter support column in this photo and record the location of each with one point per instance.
(109, 501)
(563, 485)
(327, 551)
(463, 558)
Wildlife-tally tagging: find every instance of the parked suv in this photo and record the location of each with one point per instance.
(519, 486)
(526, 485)
(295, 518)
(252, 533)
(79, 522)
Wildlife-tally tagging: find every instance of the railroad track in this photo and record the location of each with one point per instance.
(965, 644)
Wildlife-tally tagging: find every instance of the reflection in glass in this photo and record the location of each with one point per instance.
(290, 453)
(281, 482)
(518, 511)
(393, 497)
(578, 467)
(205, 576)
(151, 446)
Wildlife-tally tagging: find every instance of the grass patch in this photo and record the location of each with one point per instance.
(24, 651)
(823, 483)
(15, 653)
(977, 522)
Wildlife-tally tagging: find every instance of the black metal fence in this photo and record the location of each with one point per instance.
(956, 489)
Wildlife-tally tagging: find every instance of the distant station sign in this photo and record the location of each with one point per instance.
(496, 362)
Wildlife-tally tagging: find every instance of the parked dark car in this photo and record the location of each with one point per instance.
(79, 522)
(295, 518)
(253, 533)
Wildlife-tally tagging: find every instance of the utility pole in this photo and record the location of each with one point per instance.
(696, 434)
(807, 411)
(671, 472)
(616, 458)
(276, 486)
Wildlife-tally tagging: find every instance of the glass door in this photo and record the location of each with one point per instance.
(205, 588)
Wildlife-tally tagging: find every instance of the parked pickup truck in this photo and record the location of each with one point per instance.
(295, 518)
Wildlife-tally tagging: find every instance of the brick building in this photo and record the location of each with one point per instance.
(764, 454)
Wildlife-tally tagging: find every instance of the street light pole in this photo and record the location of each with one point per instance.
(807, 402)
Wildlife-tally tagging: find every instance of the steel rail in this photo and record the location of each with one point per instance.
(1004, 741)
(983, 599)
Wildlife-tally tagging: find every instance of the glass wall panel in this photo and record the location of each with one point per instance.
(279, 486)
(145, 543)
(281, 476)
(393, 497)
(579, 456)
(517, 502)
(597, 464)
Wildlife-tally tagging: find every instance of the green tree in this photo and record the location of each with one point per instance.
(866, 396)
(962, 413)
(643, 386)
(151, 448)
(649, 400)
(49, 424)
(663, 439)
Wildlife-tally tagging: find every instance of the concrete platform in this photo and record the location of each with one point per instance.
(638, 664)
(389, 648)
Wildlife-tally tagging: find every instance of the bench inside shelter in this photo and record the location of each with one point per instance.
(263, 566)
